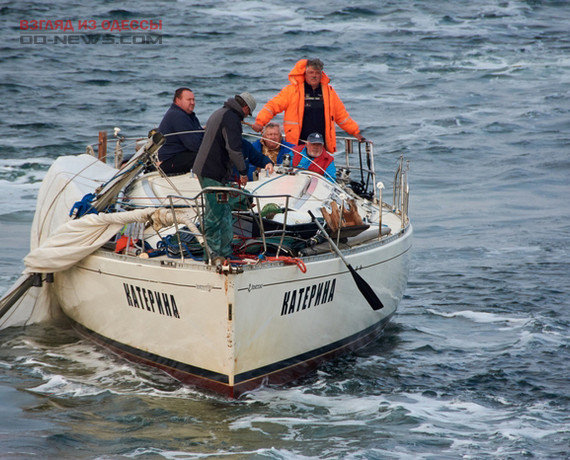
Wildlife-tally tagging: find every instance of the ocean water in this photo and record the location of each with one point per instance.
(476, 94)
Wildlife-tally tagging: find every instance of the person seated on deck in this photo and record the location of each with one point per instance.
(272, 144)
(177, 155)
(254, 160)
(314, 157)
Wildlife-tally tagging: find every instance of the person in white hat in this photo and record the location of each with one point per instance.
(314, 157)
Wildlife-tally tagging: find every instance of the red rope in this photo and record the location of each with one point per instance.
(289, 261)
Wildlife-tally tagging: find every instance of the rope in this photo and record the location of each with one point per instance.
(248, 259)
(184, 132)
(288, 261)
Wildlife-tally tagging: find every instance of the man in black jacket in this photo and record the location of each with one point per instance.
(177, 155)
(220, 151)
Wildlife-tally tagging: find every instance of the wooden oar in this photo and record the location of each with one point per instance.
(364, 288)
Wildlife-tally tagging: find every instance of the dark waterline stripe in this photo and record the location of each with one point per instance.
(286, 364)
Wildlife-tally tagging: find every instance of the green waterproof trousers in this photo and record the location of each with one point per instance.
(218, 227)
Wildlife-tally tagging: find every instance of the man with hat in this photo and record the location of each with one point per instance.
(220, 151)
(314, 157)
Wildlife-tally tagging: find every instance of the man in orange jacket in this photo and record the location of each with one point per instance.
(310, 105)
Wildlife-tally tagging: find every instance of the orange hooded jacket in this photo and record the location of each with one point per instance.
(291, 99)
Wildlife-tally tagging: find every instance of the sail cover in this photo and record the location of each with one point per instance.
(57, 242)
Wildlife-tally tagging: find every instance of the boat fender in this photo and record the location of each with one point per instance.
(270, 210)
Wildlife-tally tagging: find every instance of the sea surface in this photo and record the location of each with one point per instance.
(476, 94)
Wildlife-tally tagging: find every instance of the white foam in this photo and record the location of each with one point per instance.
(336, 406)
(20, 191)
(257, 12)
(270, 452)
(458, 420)
(482, 317)
(88, 372)
(527, 338)
(455, 420)
(58, 385)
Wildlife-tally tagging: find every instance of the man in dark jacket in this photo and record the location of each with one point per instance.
(220, 151)
(177, 155)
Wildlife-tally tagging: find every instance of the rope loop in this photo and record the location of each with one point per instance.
(289, 261)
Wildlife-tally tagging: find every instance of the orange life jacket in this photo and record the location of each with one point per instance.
(291, 99)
